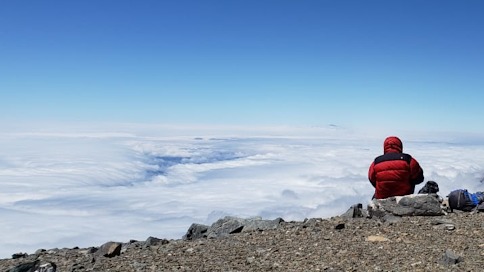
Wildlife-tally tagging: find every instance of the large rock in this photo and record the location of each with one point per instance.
(225, 226)
(355, 211)
(153, 241)
(35, 266)
(259, 224)
(196, 231)
(109, 249)
(25, 267)
(19, 255)
(409, 205)
(229, 225)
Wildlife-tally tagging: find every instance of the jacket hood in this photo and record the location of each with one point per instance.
(392, 144)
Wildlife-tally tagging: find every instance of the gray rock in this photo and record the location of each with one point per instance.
(24, 267)
(77, 267)
(441, 221)
(53, 251)
(109, 250)
(196, 231)
(138, 266)
(311, 222)
(356, 211)
(450, 258)
(19, 255)
(229, 225)
(153, 241)
(35, 266)
(259, 224)
(225, 226)
(449, 226)
(391, 219)
(47, 267)
(132, 244)
(409, 205)
(39, 251)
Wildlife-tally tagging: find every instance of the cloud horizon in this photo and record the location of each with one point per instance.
(66, 189)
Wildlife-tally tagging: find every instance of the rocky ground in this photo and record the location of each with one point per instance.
(453, 242)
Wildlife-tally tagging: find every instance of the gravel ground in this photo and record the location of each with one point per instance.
(454, 242)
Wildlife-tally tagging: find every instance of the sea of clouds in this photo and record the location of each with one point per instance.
(70, 187)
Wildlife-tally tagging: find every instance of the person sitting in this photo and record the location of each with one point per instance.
(394, 173)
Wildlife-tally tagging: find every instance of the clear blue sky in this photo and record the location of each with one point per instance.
(411, 64)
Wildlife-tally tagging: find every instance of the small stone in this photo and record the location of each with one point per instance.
(441, 221)
(250, 260)
(450, 258)
(339, 226)
(52, 251)
(377, 238)
(449, 227)
(138, 266)
(415, 264)
(391, 219)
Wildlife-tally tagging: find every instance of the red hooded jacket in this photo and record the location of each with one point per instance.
(394, 173)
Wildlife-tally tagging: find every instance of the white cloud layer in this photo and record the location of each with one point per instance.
(66, 189)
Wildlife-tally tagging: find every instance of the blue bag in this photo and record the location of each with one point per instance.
(462, 200)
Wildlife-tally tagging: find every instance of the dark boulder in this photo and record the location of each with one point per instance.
(36, 266)
(196, 231)
(153, 241)
(19, 255)
(109, 250)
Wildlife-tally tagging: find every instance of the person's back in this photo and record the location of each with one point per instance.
(394, 173)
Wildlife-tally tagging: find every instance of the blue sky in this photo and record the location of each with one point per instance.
(417, 65)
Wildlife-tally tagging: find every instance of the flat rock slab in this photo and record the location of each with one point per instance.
(230, 224)
(409, 205)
